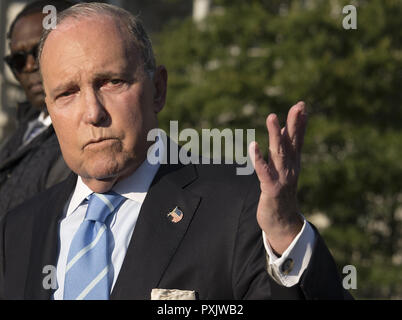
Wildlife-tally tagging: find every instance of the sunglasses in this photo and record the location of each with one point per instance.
(18, 60)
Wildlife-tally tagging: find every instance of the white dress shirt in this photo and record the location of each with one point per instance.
(296, 256)
(122, 224)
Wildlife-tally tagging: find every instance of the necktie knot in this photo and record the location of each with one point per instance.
(101, 205)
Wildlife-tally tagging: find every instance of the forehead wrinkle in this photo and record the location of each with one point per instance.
(79, 48)
(121, 58)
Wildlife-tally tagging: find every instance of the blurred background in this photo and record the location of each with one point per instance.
(232, 62)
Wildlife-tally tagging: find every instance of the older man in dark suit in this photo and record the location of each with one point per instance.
(107, 232)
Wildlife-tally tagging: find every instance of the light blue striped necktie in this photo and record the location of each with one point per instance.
(87, 270)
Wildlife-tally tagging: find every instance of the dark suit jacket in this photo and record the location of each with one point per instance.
(28, 170)
(216, 249)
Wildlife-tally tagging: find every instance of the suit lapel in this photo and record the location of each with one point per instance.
(19, 153)
(155, 238)
(45, 239)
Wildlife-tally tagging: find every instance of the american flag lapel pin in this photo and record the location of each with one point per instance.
(175, 215)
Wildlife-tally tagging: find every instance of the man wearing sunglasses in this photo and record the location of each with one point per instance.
(30, 160)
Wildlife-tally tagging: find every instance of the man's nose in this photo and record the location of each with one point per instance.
(95, 112)
(31, 64)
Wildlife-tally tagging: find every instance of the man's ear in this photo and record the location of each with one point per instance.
(160, 85)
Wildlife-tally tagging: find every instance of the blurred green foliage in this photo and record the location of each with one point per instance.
(251, 58)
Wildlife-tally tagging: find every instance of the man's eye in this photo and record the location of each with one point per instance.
(64, 94)
(110, 83)
(116, 81)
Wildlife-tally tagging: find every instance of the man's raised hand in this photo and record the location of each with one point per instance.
(278, 213)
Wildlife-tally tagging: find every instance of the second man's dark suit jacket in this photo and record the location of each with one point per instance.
(216, 249)
(27, 170)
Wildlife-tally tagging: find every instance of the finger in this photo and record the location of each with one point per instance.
(274, 134)
(261, 167)
(294, 122)
(278, 151)
(301, 130)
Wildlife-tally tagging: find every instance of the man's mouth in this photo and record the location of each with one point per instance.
(98, 141)
(36, 87)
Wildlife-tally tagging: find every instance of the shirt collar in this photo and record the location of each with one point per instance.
(44, 119)
(134, 187)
